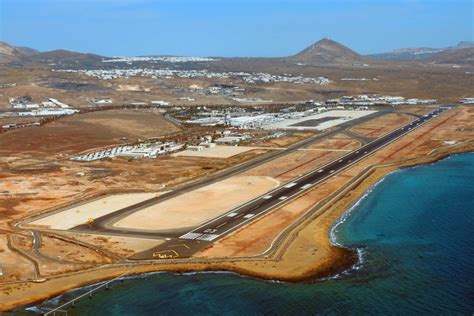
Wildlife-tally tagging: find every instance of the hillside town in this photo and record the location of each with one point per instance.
(109, 74)
(168, 59)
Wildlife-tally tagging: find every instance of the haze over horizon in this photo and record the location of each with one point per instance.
(212, 28)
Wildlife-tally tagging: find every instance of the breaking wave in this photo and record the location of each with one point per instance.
(334, 231)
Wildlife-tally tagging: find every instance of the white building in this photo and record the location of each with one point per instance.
(196, 148)
(103, 101)
(229, 140)
(160, 103)
(58, 103)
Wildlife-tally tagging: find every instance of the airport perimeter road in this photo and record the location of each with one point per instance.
(200, 237)
(104, 224)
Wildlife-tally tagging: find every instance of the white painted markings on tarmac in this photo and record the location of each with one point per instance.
(290, 185)
(190, 236)
(282, 198)
(198, 236)
(249, 215)
(306, 186)
(232, 214)
(207, 237)
(214, 230)
(266, 197)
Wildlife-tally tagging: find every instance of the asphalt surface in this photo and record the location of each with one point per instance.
(201, 237)
(104, 224)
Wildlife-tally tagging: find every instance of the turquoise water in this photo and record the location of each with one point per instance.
(414, 231)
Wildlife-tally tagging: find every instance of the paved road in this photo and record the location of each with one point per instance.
(104, 224)
(197, 239)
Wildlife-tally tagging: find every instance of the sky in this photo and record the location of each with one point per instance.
(267, 28)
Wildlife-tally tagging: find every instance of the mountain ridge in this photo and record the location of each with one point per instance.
(323, 52)
(419, 52)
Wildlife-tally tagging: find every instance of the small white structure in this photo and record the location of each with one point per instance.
(160, 103)
(229, 140)
(103, 101)
(196, 148)
(58, 103)
(28, 106)
(207, 145)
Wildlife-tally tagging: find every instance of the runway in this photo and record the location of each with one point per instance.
(194, 240)
(104, 224)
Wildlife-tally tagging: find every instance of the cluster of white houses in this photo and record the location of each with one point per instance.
(466, 101)
(11, 126)
(52, 107)
(109, 74)
(376, 99)
(155, 149)
(359, 79)
(145, 150)
(167, 59)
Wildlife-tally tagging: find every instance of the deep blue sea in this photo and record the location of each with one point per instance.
(415, 234)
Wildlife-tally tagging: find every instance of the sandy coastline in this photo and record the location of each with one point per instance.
(305, 252)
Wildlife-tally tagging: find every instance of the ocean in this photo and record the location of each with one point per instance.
(414, 234)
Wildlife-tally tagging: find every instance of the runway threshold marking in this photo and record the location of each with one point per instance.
(190, 236)
(207, 237)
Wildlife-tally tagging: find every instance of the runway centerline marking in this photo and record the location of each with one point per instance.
(221, 225)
